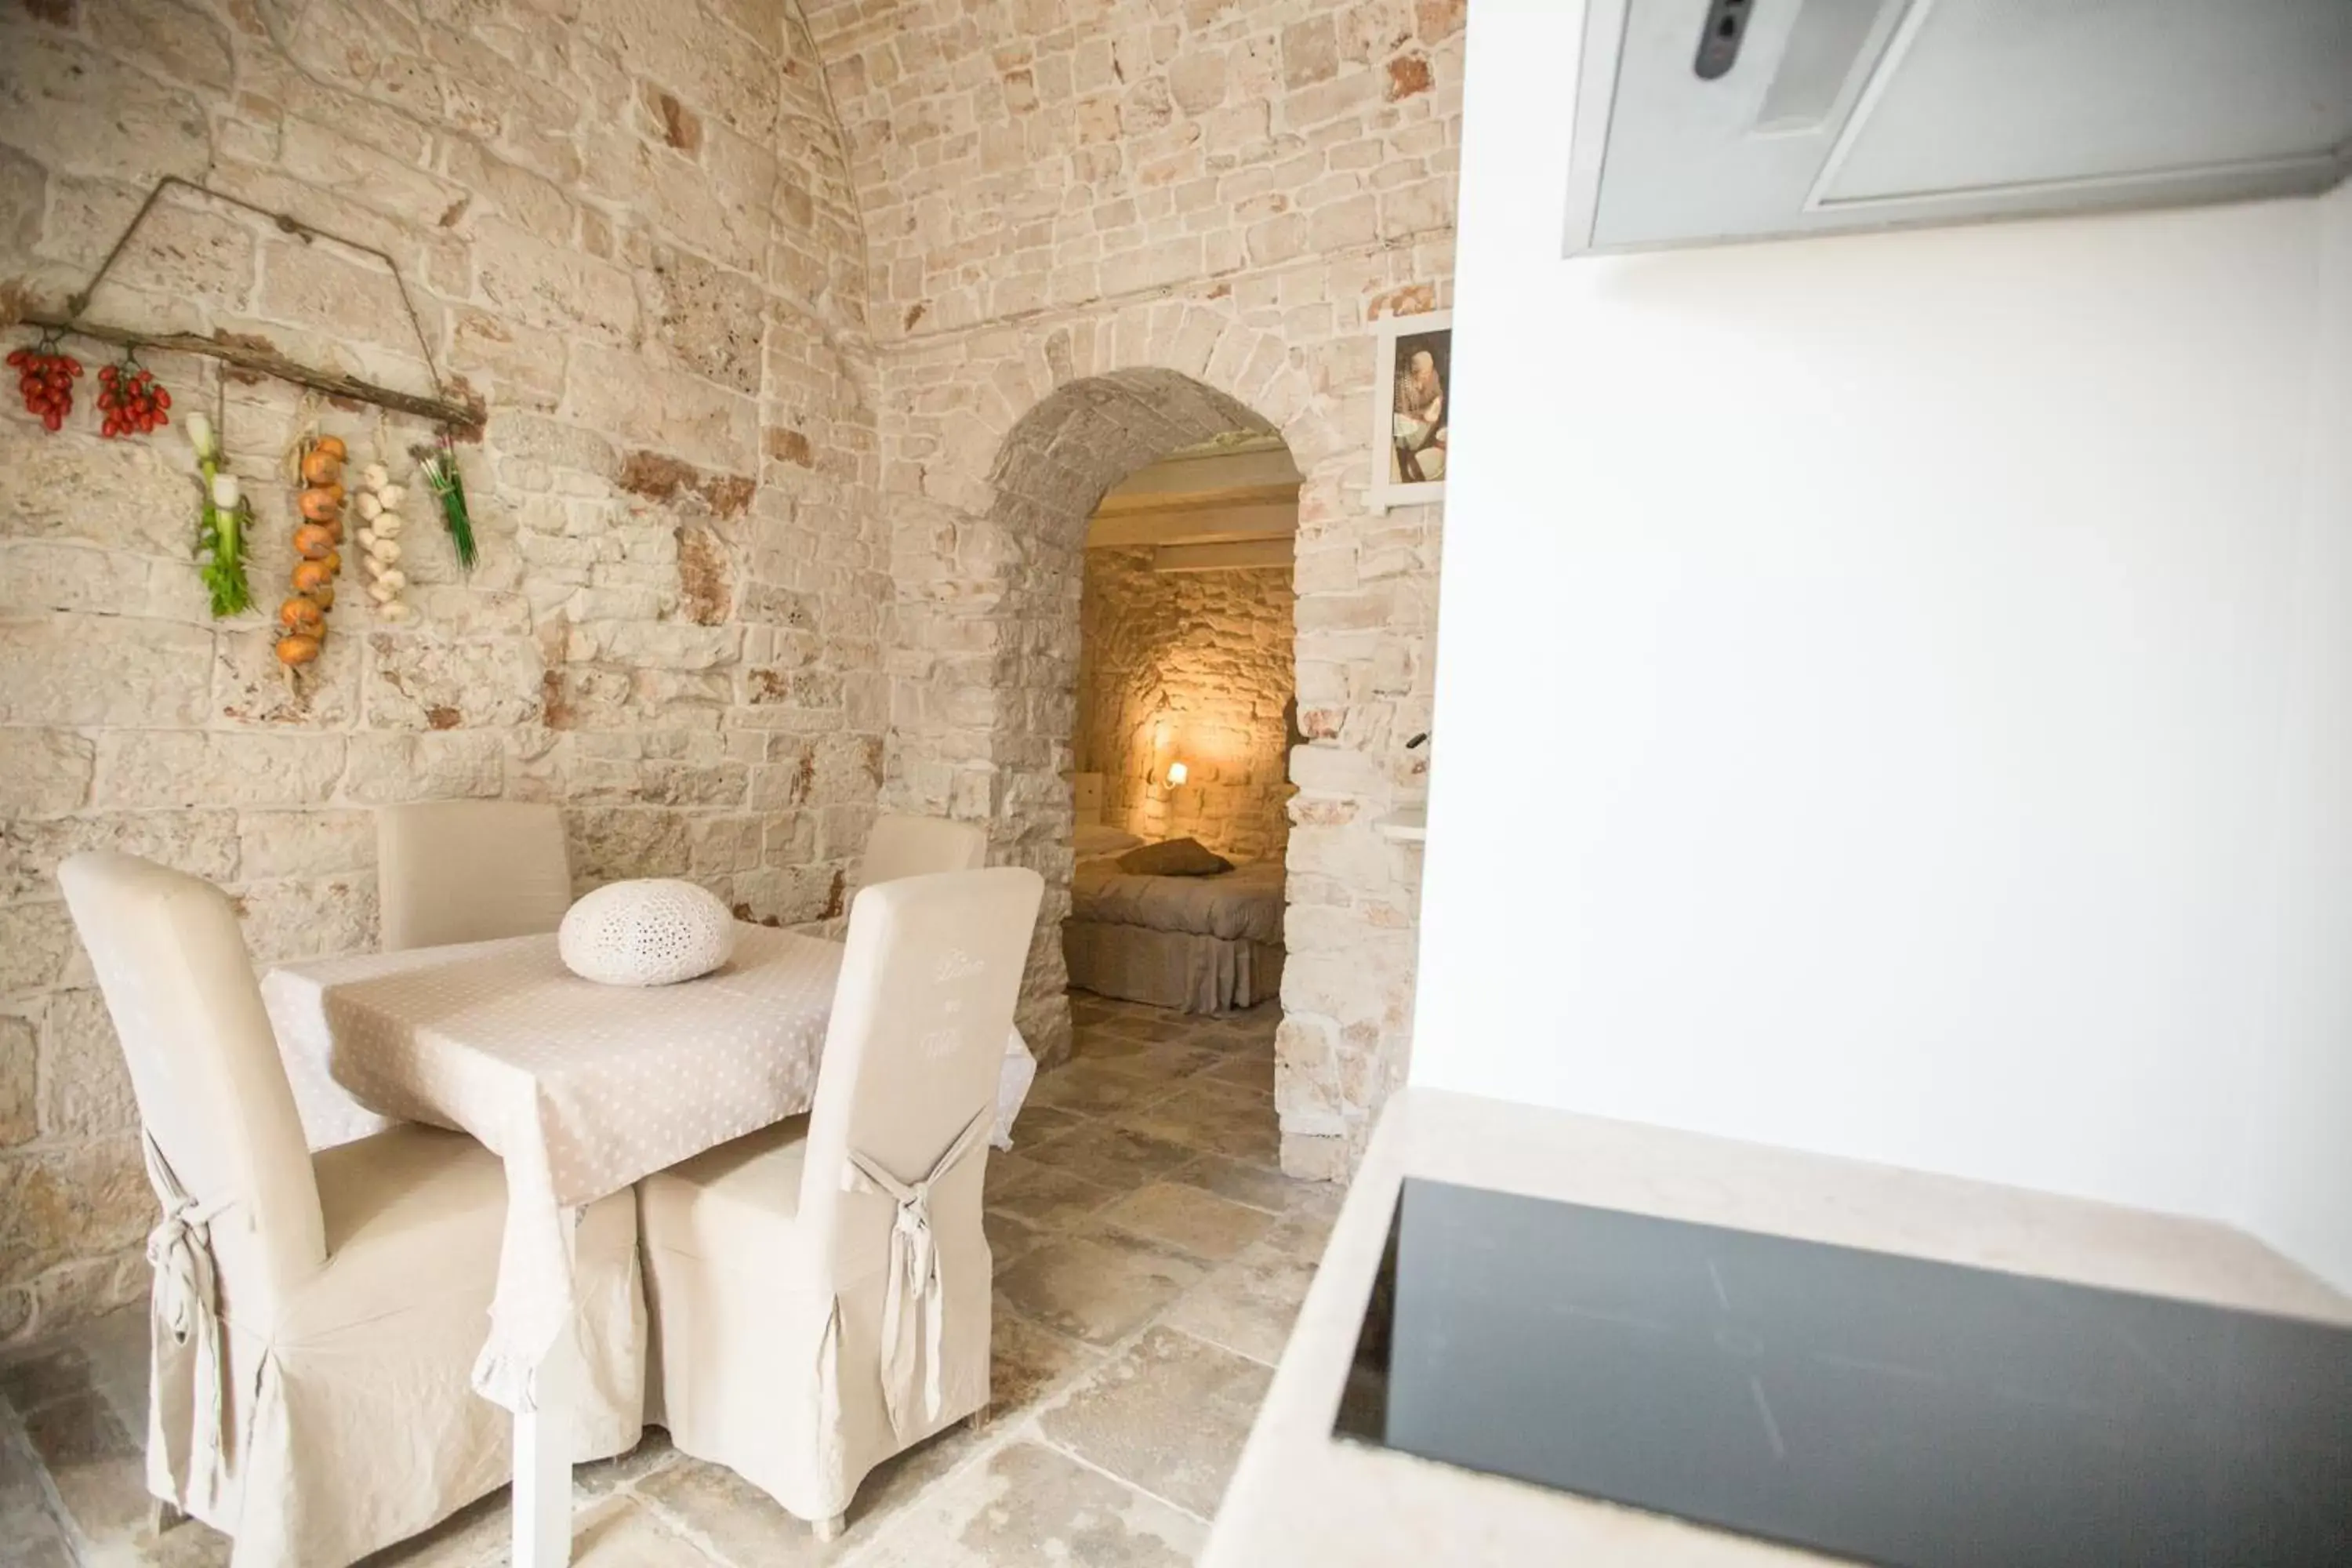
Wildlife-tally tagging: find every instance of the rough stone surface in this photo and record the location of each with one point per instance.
(806, 336)
(1190, 666)
(606, 283)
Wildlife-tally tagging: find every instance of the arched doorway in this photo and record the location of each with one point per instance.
(985, 639)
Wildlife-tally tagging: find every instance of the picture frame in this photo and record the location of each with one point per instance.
(1409, 444)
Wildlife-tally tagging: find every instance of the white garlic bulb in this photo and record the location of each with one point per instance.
(378, 498)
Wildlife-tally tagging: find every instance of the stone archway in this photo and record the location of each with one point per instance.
(995, 446)
(986, 640)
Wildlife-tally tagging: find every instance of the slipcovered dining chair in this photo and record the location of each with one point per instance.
(921, 847)
(820, 1290)
(468, 870)
(314, 1319)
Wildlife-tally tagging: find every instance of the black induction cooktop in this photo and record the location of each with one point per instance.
(1870, 1406)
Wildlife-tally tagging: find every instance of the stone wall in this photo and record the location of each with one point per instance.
(792, 423)
(1190, 666)
(627, 229)
(1099, 230)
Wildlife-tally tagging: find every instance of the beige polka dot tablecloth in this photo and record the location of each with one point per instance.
(581, 1088)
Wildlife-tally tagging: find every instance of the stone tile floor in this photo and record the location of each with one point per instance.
(1150, 1259)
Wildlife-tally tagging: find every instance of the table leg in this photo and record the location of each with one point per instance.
(543, 1463)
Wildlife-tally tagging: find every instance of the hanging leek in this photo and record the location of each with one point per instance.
(440, 467)
(221, 517)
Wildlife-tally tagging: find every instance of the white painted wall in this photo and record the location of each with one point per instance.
(2300, 1131)
(1873, 670)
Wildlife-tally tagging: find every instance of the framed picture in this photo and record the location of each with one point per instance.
(1412, 400)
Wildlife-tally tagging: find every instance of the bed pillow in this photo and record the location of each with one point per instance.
(1175, 857)
(1096, 839)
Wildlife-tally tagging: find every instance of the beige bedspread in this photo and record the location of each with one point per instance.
(1243, 904)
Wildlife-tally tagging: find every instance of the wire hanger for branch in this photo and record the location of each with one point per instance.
(439, 408)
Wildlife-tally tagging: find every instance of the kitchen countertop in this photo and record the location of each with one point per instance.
(1302, 1499)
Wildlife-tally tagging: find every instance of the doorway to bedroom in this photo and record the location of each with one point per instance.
(1185, 713)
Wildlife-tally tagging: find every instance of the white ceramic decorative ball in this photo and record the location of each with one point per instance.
(654, 931)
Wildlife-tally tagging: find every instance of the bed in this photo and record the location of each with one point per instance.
(1198, 944)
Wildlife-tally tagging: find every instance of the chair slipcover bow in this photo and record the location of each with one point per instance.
(914, 1287)
(184, 1331)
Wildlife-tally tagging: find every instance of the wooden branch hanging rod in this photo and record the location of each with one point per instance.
(264, 362)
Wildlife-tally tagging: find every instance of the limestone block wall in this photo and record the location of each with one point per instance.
(629, 229)
(1099, 229)
(1195, 667)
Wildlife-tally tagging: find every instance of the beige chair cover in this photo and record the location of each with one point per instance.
(468, 870)
(819, 1291)
(313, 1319)
(921, 847)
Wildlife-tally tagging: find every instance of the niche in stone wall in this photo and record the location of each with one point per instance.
(1186, 676)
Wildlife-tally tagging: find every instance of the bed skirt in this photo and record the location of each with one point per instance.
(1183, 969)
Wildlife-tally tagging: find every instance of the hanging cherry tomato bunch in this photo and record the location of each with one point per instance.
(130, 400)
(46, 377)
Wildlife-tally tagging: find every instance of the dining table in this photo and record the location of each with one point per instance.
(582, 1089)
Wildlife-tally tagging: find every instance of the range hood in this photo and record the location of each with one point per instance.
(1704, 120)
